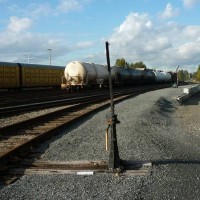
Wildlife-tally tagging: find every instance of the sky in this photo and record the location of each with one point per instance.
(163, 34)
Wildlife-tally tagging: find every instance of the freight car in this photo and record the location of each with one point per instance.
(21, 75)
(82, 74)
(161, 76)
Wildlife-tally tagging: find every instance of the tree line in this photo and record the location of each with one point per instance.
(121, 62)
(184, 75)
(196, 75)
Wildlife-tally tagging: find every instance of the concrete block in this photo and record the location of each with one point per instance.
(188, 92)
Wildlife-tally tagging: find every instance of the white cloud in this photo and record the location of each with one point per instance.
(69, 5)
(190, 3)
(19, 24)
(14, 46)
(169, 12)
(83, 45)
(137, 38)
(131, 28)
(16, 42)
(166, 45)
(38, 10)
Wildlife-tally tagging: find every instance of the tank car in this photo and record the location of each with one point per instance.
(161, 76)
(123, 76)
(83, 74)
(80, 74)
(173, 76)
(136, 76)
(149, 76)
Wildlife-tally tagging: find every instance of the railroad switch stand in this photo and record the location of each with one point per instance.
(115, 164)
(114, 160)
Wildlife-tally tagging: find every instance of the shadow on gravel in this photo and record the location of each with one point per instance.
(1, 186)
(167, 162)
(165, 105)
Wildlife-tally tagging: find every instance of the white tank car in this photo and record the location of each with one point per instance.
(84, 74)
(161, 76)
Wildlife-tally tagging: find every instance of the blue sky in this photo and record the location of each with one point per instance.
(162, 34)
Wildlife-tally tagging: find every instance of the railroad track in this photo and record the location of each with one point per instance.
(25, 97)
(10, 110)
(17, 135)
(9, 99)
(17, 140)
(24, 104)
(37, 96)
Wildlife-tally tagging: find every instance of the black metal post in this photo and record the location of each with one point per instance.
(177, 76)
(114, 160)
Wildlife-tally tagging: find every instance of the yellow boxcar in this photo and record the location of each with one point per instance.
(9, 75)
(18, 75)
(41, 75)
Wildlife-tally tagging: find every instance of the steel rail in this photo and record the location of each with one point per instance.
(10, 110)
(54, 120)
(19, 135)
(5, 111)
(17, 140)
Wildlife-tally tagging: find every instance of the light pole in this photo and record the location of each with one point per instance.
(49, 56)
(28, 57)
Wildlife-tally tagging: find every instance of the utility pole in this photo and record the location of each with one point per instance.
(49, 56)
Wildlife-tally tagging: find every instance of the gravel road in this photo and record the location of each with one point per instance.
(154, 127)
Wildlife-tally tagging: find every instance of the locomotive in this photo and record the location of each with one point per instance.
(82, 74)
(21, 75)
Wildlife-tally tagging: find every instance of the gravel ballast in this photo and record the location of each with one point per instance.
(154, 127)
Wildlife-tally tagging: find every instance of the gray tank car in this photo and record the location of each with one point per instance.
(136, 76)
(161, 76)
(149, 76)
(122, 76)
(83, 74)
